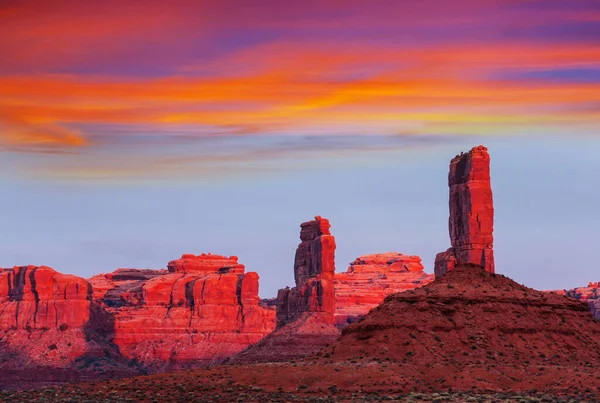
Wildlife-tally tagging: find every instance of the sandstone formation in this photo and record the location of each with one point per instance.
(471, 221)
(469, 331)
(122, 287)
(34, 297)
(370, 279)
(305, 313)
(589, 295)
(203, 309)
(50, 326)
(314, 268)
(61, 327)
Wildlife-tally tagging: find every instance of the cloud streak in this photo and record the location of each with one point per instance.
(76, 75)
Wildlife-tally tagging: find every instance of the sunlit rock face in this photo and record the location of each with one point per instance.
(305, 313)
(203, 309)
(370, 279)
(40, 297)
(471, 221)
(47, 319)
(314, 268)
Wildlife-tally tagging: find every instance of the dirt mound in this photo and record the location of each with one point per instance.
(303, 337)
(473, 328)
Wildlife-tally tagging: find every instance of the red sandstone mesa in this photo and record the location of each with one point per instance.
(204, 309)
(370, 279)
(64, 328)
(471, 221)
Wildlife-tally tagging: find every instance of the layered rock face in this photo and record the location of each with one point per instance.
(203, 309)
(34, 297)
(314, 267)
(48, 320)
(122, 287)
(370, 279)
(589, 294)
(471, 221)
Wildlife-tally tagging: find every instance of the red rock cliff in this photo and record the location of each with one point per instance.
(39, 297)
(204, 309)
(48, 319)
(471, 221)
(370, 279)
(314, 267)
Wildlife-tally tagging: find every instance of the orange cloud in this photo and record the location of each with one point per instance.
(293, 89)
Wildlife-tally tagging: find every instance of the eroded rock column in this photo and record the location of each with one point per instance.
(314, 269)
(471, 221)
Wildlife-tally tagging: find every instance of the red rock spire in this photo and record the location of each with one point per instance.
(314, 268)
(471, 222)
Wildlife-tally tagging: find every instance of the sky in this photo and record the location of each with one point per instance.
(132, 132)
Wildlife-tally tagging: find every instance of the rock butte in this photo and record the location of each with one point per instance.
(471, 222)
(204, 309)
(370, 279)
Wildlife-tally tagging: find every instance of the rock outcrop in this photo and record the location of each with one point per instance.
(204, 309)
(370, 279)
(314, 268)
(471, 221)
(305, 313)
(589, 295)
(122, 287)
(33, 297)
(50, 325)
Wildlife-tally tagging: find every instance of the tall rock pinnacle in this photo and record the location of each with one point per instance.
(471, 222)
(314, 268)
